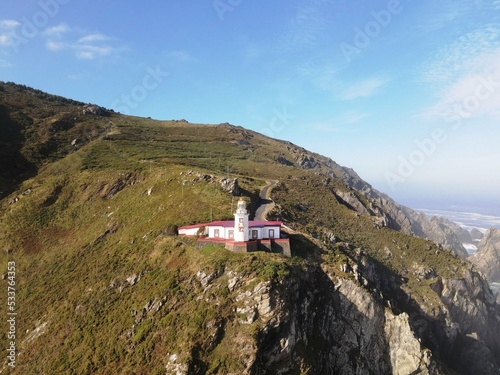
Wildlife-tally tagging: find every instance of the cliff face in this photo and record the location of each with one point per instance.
(326, 324)
(487, 258)
(316, 322)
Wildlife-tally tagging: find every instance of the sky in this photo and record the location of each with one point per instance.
(407, 93)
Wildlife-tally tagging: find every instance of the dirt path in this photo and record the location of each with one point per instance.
(265, 203)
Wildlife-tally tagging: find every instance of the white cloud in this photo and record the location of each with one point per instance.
(7, 32)
(441, 14)
(467, 54)
(90, 52)
(57, 30)
(54, 46)
(306, 28)
(86, 47)
(460, 73)
(93, 38)
(9, 24)
(328, 78)
(363, 89)
(4, 40)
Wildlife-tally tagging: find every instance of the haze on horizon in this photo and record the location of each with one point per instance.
(406, 93)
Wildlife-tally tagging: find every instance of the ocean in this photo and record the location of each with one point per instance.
(481, 217)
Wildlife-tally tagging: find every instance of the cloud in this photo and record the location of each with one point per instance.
(57, 30)
(86, 47)
(93, 38)
(465, 73)
(307, 26)
(467, 54)
(442, 14)
(363, 89)
(179, 57)
(9, 24)
(54, 46)
(7, 32)
(90, 52)
(343, 123)
(4, 40)
(327, 77)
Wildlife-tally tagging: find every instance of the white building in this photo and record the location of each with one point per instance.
(239, 230)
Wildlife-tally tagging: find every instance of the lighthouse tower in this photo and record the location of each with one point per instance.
(241, 222)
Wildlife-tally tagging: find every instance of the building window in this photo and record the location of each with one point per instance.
(255, 234)
(271, 233)
(216, 233)
(231, 233)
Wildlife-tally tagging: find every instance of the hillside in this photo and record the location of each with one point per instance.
(103, 284)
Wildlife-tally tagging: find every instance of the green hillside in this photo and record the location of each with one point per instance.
(103, 284)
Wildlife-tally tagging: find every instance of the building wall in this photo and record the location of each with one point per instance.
(224, 232)
(212, 232)
(266, 230)
(189, 231)
(227, 233)
(259, 233)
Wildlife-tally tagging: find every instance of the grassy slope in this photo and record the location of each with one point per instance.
(89, 223)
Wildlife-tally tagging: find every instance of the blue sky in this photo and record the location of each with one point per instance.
(407, 93)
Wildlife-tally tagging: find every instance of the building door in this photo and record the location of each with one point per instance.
(255, 234)
(231, 233)
(216, 233)
(271, 233)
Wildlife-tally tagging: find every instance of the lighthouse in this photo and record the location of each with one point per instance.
(241, 222)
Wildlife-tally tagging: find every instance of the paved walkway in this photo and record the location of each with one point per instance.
(265, 203)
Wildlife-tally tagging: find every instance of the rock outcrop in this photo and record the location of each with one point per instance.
(348, 329)
(487, 258)
(230, 185)
(92, 109)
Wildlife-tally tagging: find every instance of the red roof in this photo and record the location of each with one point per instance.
(230, 223)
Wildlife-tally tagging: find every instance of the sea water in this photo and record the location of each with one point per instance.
(472, 216)
(468, 217)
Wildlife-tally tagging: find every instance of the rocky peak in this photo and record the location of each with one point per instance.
(487, 258)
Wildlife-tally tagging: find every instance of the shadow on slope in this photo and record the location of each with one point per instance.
(15, 167)
(333, 318)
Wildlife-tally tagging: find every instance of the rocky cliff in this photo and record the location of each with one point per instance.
(487, 258)
(358, 319)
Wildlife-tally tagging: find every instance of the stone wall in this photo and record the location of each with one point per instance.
(280, 246)
(242, 247)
